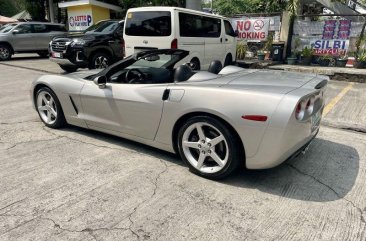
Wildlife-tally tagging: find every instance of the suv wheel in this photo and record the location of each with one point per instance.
(5, 52)
(68, 68)
(100, 60)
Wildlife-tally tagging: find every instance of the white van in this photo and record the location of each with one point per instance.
(206, 36)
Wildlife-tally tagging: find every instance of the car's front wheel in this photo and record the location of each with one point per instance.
(68, 68)
(49, 108)
(5, 52)
(209, 147)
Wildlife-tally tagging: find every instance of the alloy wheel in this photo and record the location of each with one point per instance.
(205, 147)
(4, 53)
(101, 62)
(46, 106)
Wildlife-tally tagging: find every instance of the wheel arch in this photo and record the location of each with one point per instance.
(180, 122)
(35, 90)
(102, 50)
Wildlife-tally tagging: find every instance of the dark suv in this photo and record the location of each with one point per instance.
(97, 47)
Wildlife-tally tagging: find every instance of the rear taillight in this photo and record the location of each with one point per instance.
(305, 107)
(174, 44)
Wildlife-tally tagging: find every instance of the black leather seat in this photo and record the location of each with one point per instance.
(182, 73)
(215, 67)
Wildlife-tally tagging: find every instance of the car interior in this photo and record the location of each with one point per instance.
(153, 75)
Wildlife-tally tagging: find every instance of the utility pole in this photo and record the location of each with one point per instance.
(51, 16)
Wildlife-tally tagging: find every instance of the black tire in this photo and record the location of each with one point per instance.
(93, 59)
(228, 60)
(234, 152)
(60, 120)
(195, 64)
(68, 68)
(43, 54)
(5, 52)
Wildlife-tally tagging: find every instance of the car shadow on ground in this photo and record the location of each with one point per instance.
(22, 58)
(327, 172)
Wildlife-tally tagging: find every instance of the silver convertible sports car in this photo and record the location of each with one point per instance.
(215, 119)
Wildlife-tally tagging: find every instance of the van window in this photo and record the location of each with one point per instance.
(199, 26)
(229, 29)
(147, 23)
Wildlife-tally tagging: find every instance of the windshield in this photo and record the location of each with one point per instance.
(103, 27)
(7, 27)
(155, 61)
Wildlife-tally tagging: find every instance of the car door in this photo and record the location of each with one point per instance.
(22, 38)
(117, 43)
(42, 36)
(133, 109)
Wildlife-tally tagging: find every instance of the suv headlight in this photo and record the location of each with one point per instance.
(78, 42)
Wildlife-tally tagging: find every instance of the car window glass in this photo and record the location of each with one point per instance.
(119, 30)
(56, 28)
(40, 28)
(24, 28)
(7, 27)
(105, 27)
(148, 23)
(191, 25)
(229, 29)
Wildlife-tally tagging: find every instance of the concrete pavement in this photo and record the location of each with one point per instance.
(75, 184)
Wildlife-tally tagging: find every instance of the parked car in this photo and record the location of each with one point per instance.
(214, 119)
(27, 37)
(206, 36)
(97, 47)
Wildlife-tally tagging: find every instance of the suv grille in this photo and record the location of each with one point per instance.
(58, 46)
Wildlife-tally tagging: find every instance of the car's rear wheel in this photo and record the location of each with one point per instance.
(208, 147)
(49, 108)
(68, 68)
(5, 52)
(100, 60)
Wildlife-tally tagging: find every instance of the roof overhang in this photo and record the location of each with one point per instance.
(89, 2)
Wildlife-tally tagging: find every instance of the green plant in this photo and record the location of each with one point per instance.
(241, 50)
(307, 52)
(326, 57)
(344, 57)
(260, 52)
(269, 42)
(362, 56)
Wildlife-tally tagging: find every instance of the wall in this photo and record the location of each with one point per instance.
(100, 14)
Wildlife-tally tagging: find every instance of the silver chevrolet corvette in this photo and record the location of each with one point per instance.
(215, 119)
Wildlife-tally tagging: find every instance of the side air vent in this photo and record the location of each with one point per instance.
(73, 104)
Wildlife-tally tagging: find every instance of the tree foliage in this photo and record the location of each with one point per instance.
(9, 8)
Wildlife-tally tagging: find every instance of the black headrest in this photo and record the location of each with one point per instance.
(215, 67)
(182, 73)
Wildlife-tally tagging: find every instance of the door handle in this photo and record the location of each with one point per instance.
(220, 40)
(166, 94)
(111, 41)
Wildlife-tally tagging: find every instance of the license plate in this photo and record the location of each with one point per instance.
(56, 55)
(315, 120)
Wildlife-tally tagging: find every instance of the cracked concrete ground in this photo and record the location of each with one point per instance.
(75, 184)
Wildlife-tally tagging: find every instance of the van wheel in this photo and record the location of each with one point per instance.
(68, 68)
(100, 60)
(228, 60)
(5, 52)
(195, 64)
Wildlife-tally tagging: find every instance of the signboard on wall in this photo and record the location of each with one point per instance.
(79, 20)
(335, 39)
(252, 29)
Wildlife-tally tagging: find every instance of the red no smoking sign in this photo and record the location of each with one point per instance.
(258, 25)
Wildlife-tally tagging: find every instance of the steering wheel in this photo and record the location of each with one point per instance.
(130, 76)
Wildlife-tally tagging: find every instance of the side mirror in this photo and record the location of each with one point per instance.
(101, 81)
(15, 31)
